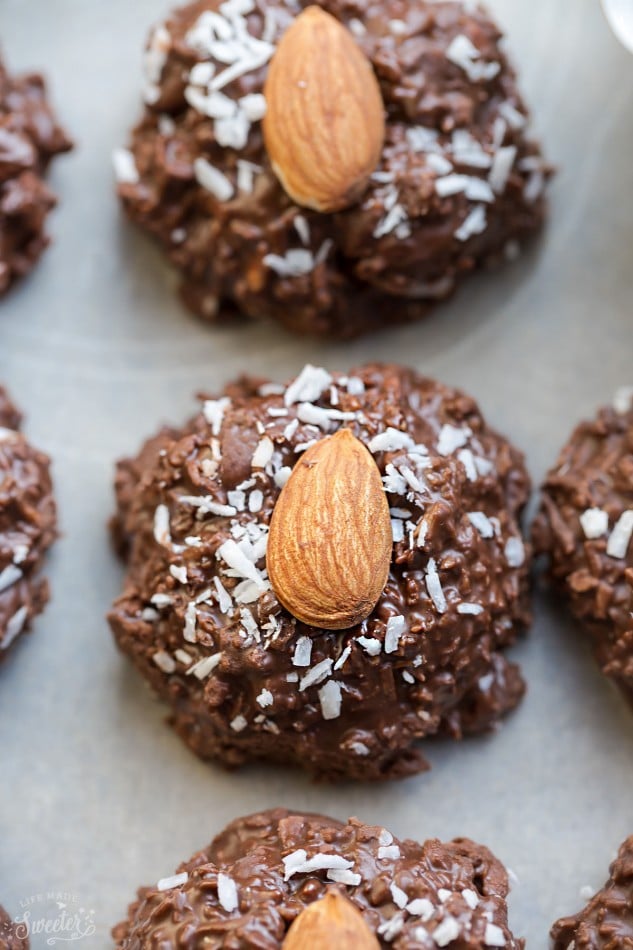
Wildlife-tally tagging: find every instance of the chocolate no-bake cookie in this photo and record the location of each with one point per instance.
(244, 678)
(29, 138)
(12, 936)
(585, 526)
(257, 878)
(606, 923)
(387, 216)
(27, 526)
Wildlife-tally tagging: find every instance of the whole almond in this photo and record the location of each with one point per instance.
(332, 923)
(330, 541)
(325, 121)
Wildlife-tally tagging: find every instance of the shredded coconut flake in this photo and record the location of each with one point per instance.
(191, 617)
(246, 172)
(594, 523)
(213, 180)
(225, 602)
(391, 440)
(207, 505)
(298, 863)
(340, 663)
(330, 698)
(164, 661)
(206, 666)
(359, 748)
(475, 189)
(227, 893)
(349, 878)
(474, 609)
(265, 699)
(213, 411)
(309, 385)
(620, 537)
(176, 880)
(421, 907)
(465, 456)
(494, 936)
(297, 262)
(515, 552)
(452, 438)
(474, 223)
(9, 576)
(482, 523)
(395, 629)
(422, 139)
(501, 167)
(446, 932)
(434, 587)
(390, 928)
(370, 645)
(303, 652)
(234, 557)
(470, 897)
(515, 119)
(263, 453)
(463, 53)
(14, 627)
(400, 898)
(239, 724)
(179, 573)
(317, 674)
(162, 533)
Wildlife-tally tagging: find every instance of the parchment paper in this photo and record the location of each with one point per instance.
(97, 796)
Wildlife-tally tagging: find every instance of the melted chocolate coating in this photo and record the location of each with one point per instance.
(400, 248)
(27, 526)
(606, 923)
(29, 138)
(594, 471)
(253, 682)
(461, 885)
(11, 935)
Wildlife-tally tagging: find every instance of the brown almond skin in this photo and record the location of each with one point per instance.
(325, 122)
(332, 923)
(330, 541)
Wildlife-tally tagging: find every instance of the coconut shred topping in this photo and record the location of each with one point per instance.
(236, 588)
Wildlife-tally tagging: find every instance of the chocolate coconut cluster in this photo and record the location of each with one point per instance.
(233, 625)
(279, 879)
(585, 527)
(29, 138)
(333, 167)
(606, 923)
(27, 526)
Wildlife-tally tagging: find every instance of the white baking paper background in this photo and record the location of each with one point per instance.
(97, 796)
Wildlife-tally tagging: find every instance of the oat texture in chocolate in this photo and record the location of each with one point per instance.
(245, 680)
(458, 184)
(27, 526)
(29, 138)
(256, 878)
(606, 923)
(11, 936)
(585, 526)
